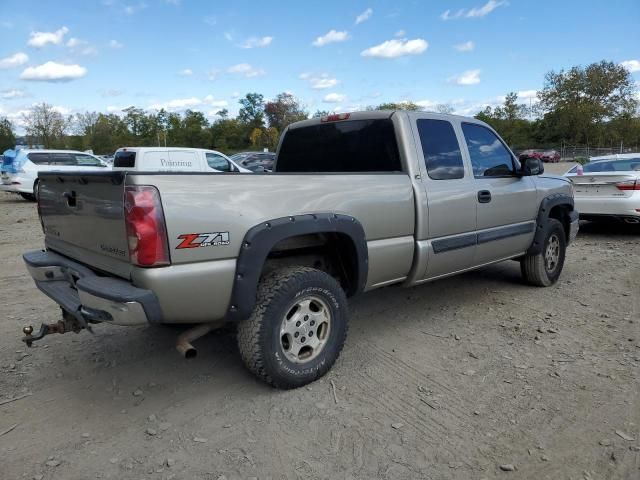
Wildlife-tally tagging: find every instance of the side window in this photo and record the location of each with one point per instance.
(83, 160)
(218, 162)
(440, 149)
(489, 157)
(39, 158)
(65, 159)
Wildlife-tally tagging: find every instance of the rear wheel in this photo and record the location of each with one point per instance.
(543, 269)
(297, 329)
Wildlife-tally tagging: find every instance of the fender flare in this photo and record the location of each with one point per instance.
(260, 239)
(546, 205)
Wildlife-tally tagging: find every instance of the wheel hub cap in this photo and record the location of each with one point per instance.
(552, 253)
(305, 329)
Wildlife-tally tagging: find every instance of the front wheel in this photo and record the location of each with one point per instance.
(297, 328)
(30, 197)
(543, 269)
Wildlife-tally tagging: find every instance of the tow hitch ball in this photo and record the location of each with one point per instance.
(67, 324)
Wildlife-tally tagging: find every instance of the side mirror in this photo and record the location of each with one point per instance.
(531, 166)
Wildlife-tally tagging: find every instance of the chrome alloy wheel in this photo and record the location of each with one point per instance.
(552, 253)
(305, 329)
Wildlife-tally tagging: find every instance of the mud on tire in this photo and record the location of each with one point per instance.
(266, 338)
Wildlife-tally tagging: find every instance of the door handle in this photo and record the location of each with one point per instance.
(484, 196)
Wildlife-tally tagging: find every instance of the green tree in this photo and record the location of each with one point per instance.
(195, 131)
(252, 111)
(283, 110)
(577, 102)
(45, 126)
(7, 138)
(407, 105)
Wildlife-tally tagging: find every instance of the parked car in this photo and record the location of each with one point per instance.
(356, 202)
(608, 187)
(173, 159)
(20, 168)
(530, 153)
(551, 156)
(255, 161)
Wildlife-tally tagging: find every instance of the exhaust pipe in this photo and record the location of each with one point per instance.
(183, 344)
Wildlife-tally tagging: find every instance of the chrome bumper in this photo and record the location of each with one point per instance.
(82, 293)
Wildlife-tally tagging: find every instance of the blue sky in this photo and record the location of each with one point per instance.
(333, 55)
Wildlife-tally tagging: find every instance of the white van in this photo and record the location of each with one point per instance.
(173, 159)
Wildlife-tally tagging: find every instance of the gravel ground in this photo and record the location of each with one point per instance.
(477, 376)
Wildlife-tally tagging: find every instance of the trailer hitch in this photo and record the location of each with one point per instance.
(69, 323)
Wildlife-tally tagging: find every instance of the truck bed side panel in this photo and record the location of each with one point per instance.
(230, 204)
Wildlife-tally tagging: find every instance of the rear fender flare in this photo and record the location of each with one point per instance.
(260, 239)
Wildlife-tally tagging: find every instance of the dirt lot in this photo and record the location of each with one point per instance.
(448, 380)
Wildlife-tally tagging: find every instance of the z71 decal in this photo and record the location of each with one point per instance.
(194, 240)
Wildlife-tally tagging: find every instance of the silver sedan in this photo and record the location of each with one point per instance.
(608, 187)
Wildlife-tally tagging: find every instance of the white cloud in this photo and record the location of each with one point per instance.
(115, 44)
(446, 15)
(469, 77)
(486, 9)
(115, 109)
(177, 104)
(427, 104)
(332, 36)
(476, 12)
(528, 94)
(12, 94)
(465, 47)
(246, 70)
(255, 42)
(180, 104)
(53, 72)
(334, 98)
(210, 100)
(40, 39)
(364, 16)
(631, 65)
(14, 60)
(187, 72)
(400, 33)
(110, 92)
(74, 42)
(133, 9)
(396, 48)
(319, 82)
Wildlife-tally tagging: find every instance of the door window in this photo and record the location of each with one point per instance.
(39, 158)
(489, 156)
(440, 149)
(63, 159)
(84, 160)
(218, 162)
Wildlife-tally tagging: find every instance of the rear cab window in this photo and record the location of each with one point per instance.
(125, 159)
(340, 146)
(440, 149)
(489, 156)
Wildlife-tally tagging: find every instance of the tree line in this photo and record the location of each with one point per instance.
(595, 105)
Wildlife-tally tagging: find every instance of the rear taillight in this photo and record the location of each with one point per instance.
(146, 230)
(336, 117)
(629, 185)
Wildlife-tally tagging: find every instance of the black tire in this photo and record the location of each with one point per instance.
(536, 269)
(30, 197)
(260, 341)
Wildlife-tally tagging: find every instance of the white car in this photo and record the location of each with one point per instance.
(608, 187)
(173, 159)
(20, 168)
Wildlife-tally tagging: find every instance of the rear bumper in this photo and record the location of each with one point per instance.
(619, 207)
(83, 294)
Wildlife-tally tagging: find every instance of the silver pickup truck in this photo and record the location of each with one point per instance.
(356, 202)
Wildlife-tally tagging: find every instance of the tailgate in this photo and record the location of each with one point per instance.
(601, 185)
(83, 218)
